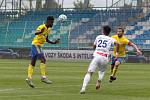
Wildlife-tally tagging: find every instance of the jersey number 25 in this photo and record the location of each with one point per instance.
(102, 43)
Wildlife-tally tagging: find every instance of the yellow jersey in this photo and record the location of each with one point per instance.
(41, 38)
(123, 41)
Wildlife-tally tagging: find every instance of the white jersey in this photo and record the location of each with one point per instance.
(103, 44)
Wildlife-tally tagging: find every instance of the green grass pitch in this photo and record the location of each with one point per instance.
(133, 82)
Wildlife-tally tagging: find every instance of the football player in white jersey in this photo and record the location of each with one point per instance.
(100, 60)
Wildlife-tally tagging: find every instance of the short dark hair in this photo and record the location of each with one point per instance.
(106, 30)
(50, 18)
(121, 28)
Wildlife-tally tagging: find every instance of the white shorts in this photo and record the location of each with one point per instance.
(99, 62)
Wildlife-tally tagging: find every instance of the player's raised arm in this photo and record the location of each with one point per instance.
(135, 46)
(39, 31)
(94, 44)
(52, 42)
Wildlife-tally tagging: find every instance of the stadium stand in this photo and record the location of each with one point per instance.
(79, 30)
(139, 32)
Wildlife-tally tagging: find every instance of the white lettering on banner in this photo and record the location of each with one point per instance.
(69, 54)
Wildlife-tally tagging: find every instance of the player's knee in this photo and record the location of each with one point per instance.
(33, 61)
(43, 60)
(117, 63)
(91, 73)
(112, 66)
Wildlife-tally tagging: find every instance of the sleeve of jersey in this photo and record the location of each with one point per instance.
(50, 31)
(39, 28)
(130, 43)
(127, 42)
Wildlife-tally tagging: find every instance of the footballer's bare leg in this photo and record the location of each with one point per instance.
(85, 82)
(101, 75)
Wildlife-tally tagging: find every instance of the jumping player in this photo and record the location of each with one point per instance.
(41, 36)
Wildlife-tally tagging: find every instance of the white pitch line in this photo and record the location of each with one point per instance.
(55, 93)
(38, 95)
(14, 89)
(11, 89)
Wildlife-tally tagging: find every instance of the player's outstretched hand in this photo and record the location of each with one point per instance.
(57, 41)
(139, 52)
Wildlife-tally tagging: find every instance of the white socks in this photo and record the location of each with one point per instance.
(101, 75)
(86, 81)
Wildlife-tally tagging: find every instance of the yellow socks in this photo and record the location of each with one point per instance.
(114, 71)
(30, 71)
(112, 67)
(43, 69)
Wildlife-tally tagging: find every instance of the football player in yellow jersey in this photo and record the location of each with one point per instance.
(123, 42)
(41, 36)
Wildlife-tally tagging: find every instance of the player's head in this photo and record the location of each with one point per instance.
(50, 21)
(106, 30)
(120, 31)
